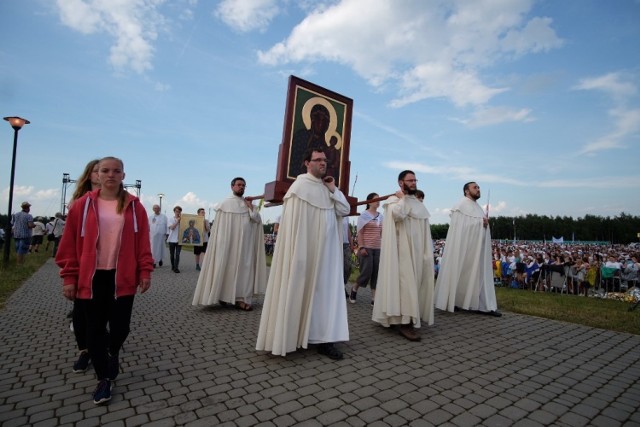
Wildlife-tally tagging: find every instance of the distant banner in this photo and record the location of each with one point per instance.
(557, 239)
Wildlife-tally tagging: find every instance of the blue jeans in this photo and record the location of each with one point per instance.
(22, 246)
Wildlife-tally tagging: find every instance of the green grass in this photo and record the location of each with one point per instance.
(13, 276)
(598, 313)
(595, 312)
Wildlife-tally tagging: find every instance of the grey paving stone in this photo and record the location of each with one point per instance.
(196, 366)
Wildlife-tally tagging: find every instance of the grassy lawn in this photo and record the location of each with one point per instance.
(598, 313)
(12, 276)
(594, 312)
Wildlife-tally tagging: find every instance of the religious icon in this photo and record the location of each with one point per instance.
(315, 117)
(319, 119)
(191, 230)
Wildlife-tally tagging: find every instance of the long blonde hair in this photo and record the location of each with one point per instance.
(123, 195)
(83, 184)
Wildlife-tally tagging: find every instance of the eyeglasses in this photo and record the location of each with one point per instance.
(319, 160)
(410, 180)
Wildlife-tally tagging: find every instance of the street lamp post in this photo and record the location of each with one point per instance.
(16, 123)
(160, 195)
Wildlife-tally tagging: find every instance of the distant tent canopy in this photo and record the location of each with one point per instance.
(557, 239)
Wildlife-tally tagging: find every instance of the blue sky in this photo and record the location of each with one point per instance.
(537, 101)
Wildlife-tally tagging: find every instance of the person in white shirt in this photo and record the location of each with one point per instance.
(173, 239)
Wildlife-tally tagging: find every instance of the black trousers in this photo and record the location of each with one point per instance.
(174, 254)
(79, 327)
(104, 308)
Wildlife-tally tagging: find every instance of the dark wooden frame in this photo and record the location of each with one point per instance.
(300, 93)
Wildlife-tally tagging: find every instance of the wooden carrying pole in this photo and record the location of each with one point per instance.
(375, 199)
(252, 198)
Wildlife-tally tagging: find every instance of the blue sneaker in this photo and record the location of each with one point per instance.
(113, 366)
(102, 393)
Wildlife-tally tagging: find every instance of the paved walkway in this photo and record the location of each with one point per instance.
(186, 365)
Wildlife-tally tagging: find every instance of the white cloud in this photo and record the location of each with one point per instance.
(133, 24)
(499, 207)
(161, 87)
(626, 124)
(463, 173)
(460, 173)
(485, 116)
(536, 36)
(614, 84)
(601, 182)
(440, 80)
(434, 49)
(625, 120)
(247, 15)
(190, 203)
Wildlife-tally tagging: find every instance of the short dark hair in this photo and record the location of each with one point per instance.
(309, 153)
(419, 194)
(239, 178)
(404, 173)
(200, 209)
(466, 187)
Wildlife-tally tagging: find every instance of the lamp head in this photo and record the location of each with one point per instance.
(17, 122)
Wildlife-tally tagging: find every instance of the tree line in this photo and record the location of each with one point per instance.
(621, 229)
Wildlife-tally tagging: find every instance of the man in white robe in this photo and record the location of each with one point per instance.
(158, 234)
(304, 303)
(404, 295)
(234, 268)
(465, 279)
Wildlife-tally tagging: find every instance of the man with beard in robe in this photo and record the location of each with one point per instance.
(465, 280)
(304, 303)
(158, 233)
(234, 266)
(404, 295)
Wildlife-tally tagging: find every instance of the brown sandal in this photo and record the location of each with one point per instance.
(240, 305)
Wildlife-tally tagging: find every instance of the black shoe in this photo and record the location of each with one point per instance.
(113, 366)
(352, 297)
(82, 363)
(330, 350)
(160, 263)
(175, 270)
(494, 313)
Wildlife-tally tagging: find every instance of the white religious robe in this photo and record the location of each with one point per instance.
(158, 235)
(406, 276)
(234, 267)
(465, 278)
(304, 302)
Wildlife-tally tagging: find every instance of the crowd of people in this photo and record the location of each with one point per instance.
(30, 233)
(110, 247)
(585, 267)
